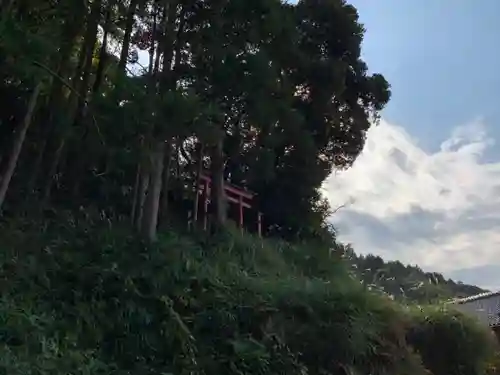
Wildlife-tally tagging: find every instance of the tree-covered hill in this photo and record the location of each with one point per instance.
(408, 282)
(118, 258)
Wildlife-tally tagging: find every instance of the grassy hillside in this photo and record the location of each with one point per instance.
(86, 297)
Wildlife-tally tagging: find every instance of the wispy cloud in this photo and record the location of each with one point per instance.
(440, 210)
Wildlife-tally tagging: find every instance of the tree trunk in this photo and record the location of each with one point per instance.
(151, 209)
(156, 67)
(157, 153)
(129, 24)
(199, 170)
(54, 164)
(166, 178)
(78, 116)
(137, 186)
(103, 53)
(87, 52)
(169, 44)
(141, 195)
(152, 48)
(37, 166)
(18, 144)
(77, 100)
(142, 206)
(135, 196)
(218, 199)
(81, 117)
(178, 159)
(56, 105)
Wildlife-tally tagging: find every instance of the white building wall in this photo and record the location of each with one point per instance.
(486, 309)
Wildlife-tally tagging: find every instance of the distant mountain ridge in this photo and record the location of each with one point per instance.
(488, 275)
(408, 282)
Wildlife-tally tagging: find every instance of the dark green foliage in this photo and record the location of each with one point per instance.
(450, 343)
(281, 89)
(86, 295)
(262, 93)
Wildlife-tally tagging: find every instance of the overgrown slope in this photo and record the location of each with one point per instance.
(88, 298)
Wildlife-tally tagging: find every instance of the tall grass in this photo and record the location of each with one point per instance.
(86, 297)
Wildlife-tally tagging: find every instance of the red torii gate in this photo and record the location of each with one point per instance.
(241, 197)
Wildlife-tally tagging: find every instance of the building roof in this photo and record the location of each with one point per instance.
(477, 297)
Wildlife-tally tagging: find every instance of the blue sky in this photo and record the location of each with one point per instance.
(426, 188)
(441, 58)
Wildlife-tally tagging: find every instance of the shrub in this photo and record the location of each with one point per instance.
(450, 342)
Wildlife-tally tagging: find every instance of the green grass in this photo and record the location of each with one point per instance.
(446, 340)
(82, 297)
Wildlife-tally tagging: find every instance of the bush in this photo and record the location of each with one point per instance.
(450, 342)
(85, 296)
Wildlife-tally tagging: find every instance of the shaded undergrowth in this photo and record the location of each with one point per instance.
(85, 297)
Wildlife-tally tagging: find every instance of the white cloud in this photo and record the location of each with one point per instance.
(439, 210)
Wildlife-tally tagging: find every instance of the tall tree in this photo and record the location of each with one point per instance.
(18, 143)
(275, 94)
(334, 104)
